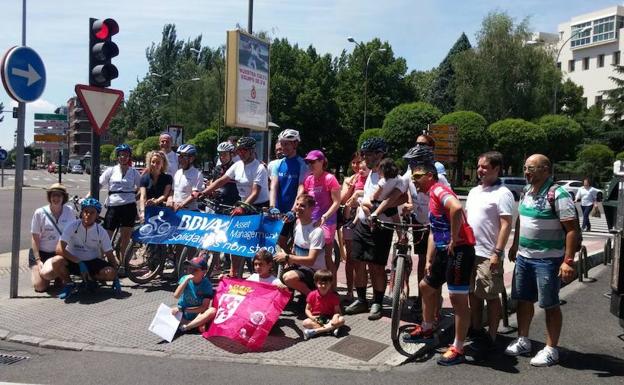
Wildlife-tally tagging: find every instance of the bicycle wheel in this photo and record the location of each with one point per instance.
(143, 262)
(398, 300)
(187, 254)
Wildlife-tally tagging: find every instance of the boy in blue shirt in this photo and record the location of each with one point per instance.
(194, 294)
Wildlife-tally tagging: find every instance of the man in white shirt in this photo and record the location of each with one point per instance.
(165, 141)
(187, 181)
(587, 196)
(489, 210)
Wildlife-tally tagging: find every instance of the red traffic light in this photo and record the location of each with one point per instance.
(104, 29)
(103, 32)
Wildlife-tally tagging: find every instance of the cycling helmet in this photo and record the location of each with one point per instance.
(374, 145)
(91, 202)
(289, 134)
(187, 149)
(226, 147)
(123, 147)
(246, 142)
(419, 155)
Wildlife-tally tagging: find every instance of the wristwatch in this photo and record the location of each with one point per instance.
(499, 253)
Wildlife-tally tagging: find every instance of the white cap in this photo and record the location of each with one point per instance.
(440, 168)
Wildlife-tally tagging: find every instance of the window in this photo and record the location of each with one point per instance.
(585, 63)
(559, 65)
(598, 100)
(571, 65)
(580, 38)
(604, 29)
(600, 61)
(616, 58)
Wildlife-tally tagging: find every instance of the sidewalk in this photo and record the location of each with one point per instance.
(99, 322)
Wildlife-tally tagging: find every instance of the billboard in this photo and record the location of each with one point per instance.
(247, 81)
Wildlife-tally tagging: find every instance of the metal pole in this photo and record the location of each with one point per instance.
(19, 181)
(366, 87)
(60, 164)
(95, 165)
(2, 180)
(250, 18)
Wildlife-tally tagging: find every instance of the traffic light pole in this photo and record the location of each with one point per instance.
(95, 165)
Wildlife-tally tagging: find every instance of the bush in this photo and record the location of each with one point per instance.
(206, 143)
(405, 122)
(563, 134)
(516, 139)
(370, 133)
(107, 152)
(620, 156)
(472, 135)
(595, 161)
(150, 143)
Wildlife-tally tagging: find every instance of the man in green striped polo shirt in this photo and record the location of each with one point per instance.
(544, 242)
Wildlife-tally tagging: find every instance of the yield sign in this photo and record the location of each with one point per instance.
(100, 105)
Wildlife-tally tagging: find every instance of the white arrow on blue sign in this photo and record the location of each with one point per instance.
(3, 155)
(23, 74)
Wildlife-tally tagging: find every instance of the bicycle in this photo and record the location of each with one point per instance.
(399, 279)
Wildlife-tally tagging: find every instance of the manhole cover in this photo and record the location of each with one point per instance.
(7, 359)
(357, 347)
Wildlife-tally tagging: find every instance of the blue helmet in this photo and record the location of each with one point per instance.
(187, 149)
(374, 145)
(91, 202)
(123, 147)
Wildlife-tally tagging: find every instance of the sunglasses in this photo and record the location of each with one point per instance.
(417, 175)
(532, 168)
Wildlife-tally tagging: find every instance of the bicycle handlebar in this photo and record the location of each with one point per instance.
(401, 225)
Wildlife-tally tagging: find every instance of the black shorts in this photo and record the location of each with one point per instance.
(455, 270)
(371, 246)
(44, 255)
(288, 230)
(120, 216)
(94, 266)
(305, 274)
(421, 240)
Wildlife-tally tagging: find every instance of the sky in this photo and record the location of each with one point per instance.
(421, 31)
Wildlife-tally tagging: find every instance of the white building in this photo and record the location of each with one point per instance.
(589, 45)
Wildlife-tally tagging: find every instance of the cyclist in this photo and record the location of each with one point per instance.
(122, 182)
(287, 178)
(80, 250)
(187, 182)
(156, 183)
(228, 193)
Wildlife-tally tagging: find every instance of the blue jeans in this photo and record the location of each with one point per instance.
(586, 210)
(537, 280)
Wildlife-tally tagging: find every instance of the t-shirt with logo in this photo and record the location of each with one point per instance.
(48, 235)
(439, 217)
(194, 293)
(308, 237)
(248, 175)
(86, 243)
(320, 189)
(121, 187)
(185, 182)
(290, 173)
(323, 305)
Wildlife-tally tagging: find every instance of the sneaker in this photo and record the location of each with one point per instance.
(336, 332)
(116, 286)
(419, 335)
(546, 357)
(375, 312)
(67, 291)
(308, 333)
(356, 307)
(518, 347)
(452, 356)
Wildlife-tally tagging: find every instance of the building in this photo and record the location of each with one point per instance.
(588, 48)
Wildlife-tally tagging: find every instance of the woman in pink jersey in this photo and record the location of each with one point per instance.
(325, 190)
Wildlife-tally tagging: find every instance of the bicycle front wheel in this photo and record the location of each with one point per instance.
(398, 300)
(144, 262)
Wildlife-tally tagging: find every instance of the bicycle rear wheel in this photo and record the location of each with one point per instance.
(144, 262)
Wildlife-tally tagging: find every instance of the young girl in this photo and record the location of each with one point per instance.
(322, 307)
(389, 180)
(262, 263)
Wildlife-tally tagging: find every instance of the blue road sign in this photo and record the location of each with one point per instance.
(23, 74)
(3, 155)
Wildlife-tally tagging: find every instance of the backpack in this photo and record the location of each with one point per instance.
(551, 199)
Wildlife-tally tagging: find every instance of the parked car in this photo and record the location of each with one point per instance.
(570, 185)
(515, 184)
(77, 169)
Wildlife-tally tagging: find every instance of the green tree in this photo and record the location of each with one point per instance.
(595, 161)
(405, 122)
(563, 134)
(570, 95)
(370, 133)
(504, 77)
(516, 139)
(614, 100)
(421, 83)
(206, 144)
(150, 143)
(472, 134)
(619, 155)
(442, 92)
(106, 152)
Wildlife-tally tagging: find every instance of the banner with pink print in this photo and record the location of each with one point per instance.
(246, 311)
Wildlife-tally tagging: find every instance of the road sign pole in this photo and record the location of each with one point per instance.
(2, 179)
(17, 198)
(60, 165)
(95, 165)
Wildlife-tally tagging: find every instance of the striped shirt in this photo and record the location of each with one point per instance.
(541, 233)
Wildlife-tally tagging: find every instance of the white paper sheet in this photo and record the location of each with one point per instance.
(164, 323)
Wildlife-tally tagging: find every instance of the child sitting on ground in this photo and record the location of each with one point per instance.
(322, 307)
(263, 263)
(194, 294)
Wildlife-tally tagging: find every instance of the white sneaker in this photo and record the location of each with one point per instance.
(546, 357)
(308, 333)
(518, 347)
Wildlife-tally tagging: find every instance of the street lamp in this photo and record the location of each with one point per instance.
(580, 31)
(352, 40)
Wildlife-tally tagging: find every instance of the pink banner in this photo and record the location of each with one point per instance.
(246, 311)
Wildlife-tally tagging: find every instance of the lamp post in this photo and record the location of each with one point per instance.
(352, 40)
(580, 31)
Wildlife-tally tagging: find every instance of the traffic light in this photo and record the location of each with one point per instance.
(101, 51)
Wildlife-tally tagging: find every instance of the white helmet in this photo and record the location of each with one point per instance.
(226, 147)
(290, 135)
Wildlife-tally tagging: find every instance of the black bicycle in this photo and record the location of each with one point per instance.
(399, 279)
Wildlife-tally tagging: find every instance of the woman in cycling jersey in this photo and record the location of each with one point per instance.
(155, 185)
(122, 182)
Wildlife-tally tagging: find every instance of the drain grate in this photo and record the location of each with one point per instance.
(7, 359)
(359, 348)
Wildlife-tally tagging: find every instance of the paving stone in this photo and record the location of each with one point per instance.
(64, 345)
(26, 340)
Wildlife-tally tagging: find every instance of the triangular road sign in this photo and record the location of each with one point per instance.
(100, 105)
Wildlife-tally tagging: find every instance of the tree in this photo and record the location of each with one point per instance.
(421, 83)
(503, 76)
(614, 100)
(106, 152)
(595, 161)
(619, 155)
(472, 135)
(369, 133)
(405, 122)
(570, 95)
(516, 139)
(442, 92)
(206, 144)
(149, 144)
(563, 134)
